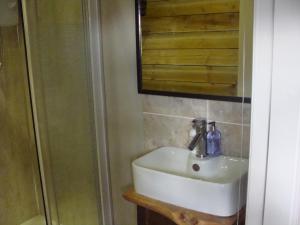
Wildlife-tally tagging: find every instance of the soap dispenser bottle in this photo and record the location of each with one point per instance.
(213, 140)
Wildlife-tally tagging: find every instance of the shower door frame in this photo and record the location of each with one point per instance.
(98, 82)
(93, 27)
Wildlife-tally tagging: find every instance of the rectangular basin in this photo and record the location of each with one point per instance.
(171, 175)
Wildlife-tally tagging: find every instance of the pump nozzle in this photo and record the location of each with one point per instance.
(212, 125)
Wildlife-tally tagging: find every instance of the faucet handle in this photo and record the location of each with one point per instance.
(199, 122)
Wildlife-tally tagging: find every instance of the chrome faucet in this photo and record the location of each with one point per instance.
(199, 140)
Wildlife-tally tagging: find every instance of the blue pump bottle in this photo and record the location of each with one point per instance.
(213, 140)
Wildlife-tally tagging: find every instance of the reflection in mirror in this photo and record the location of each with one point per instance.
(195, 48)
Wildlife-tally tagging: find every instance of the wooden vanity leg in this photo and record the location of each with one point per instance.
(141, 215)
(148, 217)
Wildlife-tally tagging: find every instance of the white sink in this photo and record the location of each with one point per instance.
(218, 188)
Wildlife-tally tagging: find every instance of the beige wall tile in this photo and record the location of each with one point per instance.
(247, 113)
(167, 121)
(246, 141)
(174, 131)
(229, 112)
(175, 106)
(166, 131)
(232, 139)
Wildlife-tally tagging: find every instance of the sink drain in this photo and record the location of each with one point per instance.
(196, 167)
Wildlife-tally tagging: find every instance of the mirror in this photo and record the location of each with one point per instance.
(195, 48)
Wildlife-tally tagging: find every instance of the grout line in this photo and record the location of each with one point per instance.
(207, 110)
(191, 118)
(169, 115)
(230, 123)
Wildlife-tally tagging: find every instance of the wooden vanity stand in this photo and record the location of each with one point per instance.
(154, 212)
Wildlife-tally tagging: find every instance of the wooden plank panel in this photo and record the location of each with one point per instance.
(189, 87)
(204, 74)
(191, 7)
(220, 39)
(211, 57)
(208, 22)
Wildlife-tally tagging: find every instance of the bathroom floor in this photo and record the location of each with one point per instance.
(38, 220)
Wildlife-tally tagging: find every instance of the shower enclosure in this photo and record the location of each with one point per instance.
(52, 144)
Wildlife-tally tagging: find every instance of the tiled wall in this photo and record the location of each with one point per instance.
(168, 121)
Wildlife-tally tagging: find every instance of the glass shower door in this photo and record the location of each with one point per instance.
(57, 45)
(20, 187)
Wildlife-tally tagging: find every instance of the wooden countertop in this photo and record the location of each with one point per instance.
(179, 215)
